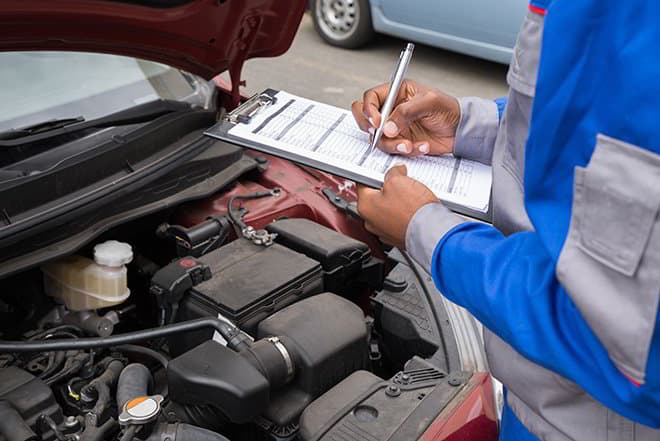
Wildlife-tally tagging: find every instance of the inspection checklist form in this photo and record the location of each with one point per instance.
(302, 128)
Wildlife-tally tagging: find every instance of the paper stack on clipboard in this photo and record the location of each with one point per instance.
(327, 138)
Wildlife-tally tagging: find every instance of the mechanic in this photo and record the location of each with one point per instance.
(567, 281)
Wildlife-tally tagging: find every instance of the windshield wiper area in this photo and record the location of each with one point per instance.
(41, 127)
(66, 126)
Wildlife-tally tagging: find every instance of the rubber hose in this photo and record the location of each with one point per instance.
(129, 433)
(93, 433)
(102, 385)
(133, 382)
(148, 352)
(12, 426)
(236, 339)
(185, 432)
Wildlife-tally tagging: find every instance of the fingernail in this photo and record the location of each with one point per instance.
(424, 149)
(372, 131)
(390, 128)
(402, 148)
(371, 121)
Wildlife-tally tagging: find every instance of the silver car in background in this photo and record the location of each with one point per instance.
(482, 28)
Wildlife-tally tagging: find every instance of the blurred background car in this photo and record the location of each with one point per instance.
(481, 28)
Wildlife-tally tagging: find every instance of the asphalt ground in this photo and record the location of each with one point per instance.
(313, 69)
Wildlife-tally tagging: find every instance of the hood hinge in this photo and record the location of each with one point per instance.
(242, 46)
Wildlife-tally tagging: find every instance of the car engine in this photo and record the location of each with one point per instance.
(218, 330)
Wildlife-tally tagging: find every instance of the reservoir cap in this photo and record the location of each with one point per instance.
(113, 253)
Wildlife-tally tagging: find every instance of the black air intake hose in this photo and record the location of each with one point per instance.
(272, 359)
(12, 426)
(184, 432)
(134, 382)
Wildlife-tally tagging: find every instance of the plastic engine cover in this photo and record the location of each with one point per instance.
(327, 336)
(30, 396)
(214, 375)
(364, 407)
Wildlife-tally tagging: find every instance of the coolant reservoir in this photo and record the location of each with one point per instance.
(82, 284)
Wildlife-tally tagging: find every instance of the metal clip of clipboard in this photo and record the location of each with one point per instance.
(245, 112)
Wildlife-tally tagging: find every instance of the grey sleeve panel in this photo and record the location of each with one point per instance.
(477, 129)
(609, 262)
(509, 214)
(524, 67)
(427, 227)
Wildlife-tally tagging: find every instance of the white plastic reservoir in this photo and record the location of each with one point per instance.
(82, 284)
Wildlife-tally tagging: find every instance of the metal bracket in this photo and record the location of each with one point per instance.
(341, 203)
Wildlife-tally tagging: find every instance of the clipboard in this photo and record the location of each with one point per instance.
(244, 114)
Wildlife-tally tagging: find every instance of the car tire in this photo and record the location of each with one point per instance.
(343, 23)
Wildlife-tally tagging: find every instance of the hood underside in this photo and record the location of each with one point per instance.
(204, 37)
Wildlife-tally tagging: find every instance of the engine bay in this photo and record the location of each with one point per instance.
(240, 317)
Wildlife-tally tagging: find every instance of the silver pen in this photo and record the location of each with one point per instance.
(397, 79)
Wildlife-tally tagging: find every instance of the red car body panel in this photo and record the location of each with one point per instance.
(470, 418)
(203, 37)
(301, 196)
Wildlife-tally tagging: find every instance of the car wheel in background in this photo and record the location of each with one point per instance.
(343, 23)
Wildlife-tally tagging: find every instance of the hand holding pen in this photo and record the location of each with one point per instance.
(423, 120)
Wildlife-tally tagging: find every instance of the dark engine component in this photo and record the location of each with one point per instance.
(249, 283)
(327, 338)
(98, 391)
(406, 322)
(183, 432)
(213, 375)
(12, 425)
(343, 258)
(170, 283)
(305, 349)
(363, 407)
(198, 239)
(23, 394)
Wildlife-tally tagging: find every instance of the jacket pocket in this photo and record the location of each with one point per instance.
(610, 262)
(526, 55)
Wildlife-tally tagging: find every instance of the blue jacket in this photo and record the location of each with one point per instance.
(599, 75)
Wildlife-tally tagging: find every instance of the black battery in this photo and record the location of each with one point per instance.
(249, 283)
(343, 258)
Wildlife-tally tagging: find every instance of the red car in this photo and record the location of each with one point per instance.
(159, 284)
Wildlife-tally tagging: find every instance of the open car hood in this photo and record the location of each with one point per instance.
(204, 37)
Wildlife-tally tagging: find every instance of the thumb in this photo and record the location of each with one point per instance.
(396, 170)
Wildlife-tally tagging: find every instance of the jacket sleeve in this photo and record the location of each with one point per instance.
(509, 284)
(477, 129)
